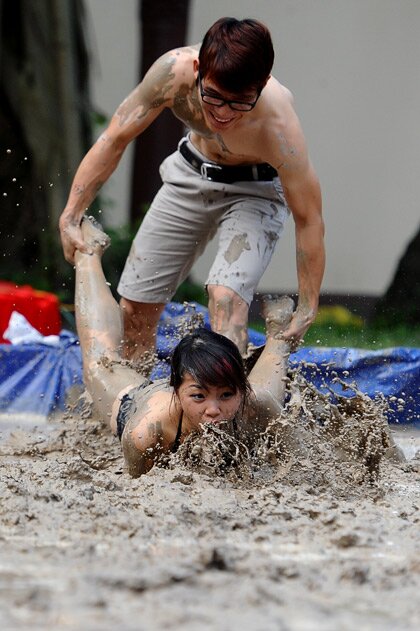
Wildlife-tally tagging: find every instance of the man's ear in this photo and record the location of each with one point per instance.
(266, 81)
(196, 67)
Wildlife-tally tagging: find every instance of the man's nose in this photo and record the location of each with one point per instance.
(224, 109)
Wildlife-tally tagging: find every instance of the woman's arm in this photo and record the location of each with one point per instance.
(149, 433)
(268, 376)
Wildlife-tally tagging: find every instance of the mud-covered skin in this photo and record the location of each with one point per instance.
(270, 133)
(155, 414)
(350, 438)
(156, 410)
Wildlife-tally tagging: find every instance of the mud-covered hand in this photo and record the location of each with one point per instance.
(299, 324)
(71, 238)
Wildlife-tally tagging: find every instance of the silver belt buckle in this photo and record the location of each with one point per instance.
(205, 166)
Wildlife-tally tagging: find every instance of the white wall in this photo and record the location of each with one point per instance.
(353, 68)
(113, 31)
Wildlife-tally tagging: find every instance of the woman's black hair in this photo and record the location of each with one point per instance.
(212, 359)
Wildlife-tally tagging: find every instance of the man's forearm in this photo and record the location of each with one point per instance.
(310, 261)
(94, 170)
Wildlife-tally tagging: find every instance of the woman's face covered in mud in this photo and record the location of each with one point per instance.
(206, 403)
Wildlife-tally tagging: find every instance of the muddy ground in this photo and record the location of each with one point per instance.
(295, 543)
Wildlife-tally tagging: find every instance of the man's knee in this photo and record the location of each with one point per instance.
(140, 313)
(229, 315)
(140, 327)
(226, 301)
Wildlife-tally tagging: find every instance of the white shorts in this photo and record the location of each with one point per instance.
(185, 215)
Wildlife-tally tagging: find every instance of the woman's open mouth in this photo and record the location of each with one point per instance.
(218, 421)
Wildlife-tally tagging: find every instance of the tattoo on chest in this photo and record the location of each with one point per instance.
(187, 108)
(222, 144)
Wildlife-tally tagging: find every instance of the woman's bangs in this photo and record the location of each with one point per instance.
(214, 371)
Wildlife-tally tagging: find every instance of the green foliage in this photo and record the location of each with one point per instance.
(114, 258)
(98, 118)
(45, 277)
(371, 337)
(189, 291)
(336, 326)
(350, 336)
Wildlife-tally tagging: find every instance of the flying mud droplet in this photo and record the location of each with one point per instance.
(325, 441)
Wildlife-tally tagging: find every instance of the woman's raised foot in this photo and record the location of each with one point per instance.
(93, 234)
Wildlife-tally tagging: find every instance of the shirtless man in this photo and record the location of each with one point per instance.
(242, 169)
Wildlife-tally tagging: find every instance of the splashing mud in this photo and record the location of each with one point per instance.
(333, 445)
(307, 526)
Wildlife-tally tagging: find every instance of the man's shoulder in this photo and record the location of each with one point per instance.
(278, 112)
(183, 56)
(171, 70)
(278, 96)
(280, 131)
(178, 62)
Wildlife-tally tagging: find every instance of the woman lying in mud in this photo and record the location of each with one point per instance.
(207, 384)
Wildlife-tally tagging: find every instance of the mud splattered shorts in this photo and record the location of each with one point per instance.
(185, 215)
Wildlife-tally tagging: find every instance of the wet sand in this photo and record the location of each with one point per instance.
(302, 544)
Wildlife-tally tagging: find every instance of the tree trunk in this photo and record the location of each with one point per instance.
(44, 132)
(401, 302)
(163, 25)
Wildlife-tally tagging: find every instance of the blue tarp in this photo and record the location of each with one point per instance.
(36, 378)
(392, 372)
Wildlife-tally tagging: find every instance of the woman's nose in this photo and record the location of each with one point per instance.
(212, 408)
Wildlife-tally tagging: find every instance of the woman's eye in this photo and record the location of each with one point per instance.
(197, 397)
(227, 395)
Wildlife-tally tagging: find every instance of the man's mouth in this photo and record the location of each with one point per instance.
(222, 121)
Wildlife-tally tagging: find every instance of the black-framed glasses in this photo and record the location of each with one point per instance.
(239, 106)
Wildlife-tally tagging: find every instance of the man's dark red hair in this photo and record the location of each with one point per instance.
(237, 55)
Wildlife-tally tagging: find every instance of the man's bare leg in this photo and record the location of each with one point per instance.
(140, 322)
(268, 376)
(229, 315)
(99, 325)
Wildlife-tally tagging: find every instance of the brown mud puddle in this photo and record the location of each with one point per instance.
(309, 528)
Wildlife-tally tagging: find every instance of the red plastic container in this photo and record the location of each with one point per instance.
(40, 308)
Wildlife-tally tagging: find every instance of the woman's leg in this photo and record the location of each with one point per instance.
(268, 376)
(99, 326)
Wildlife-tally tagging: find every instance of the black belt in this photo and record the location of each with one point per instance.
(227, 174)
